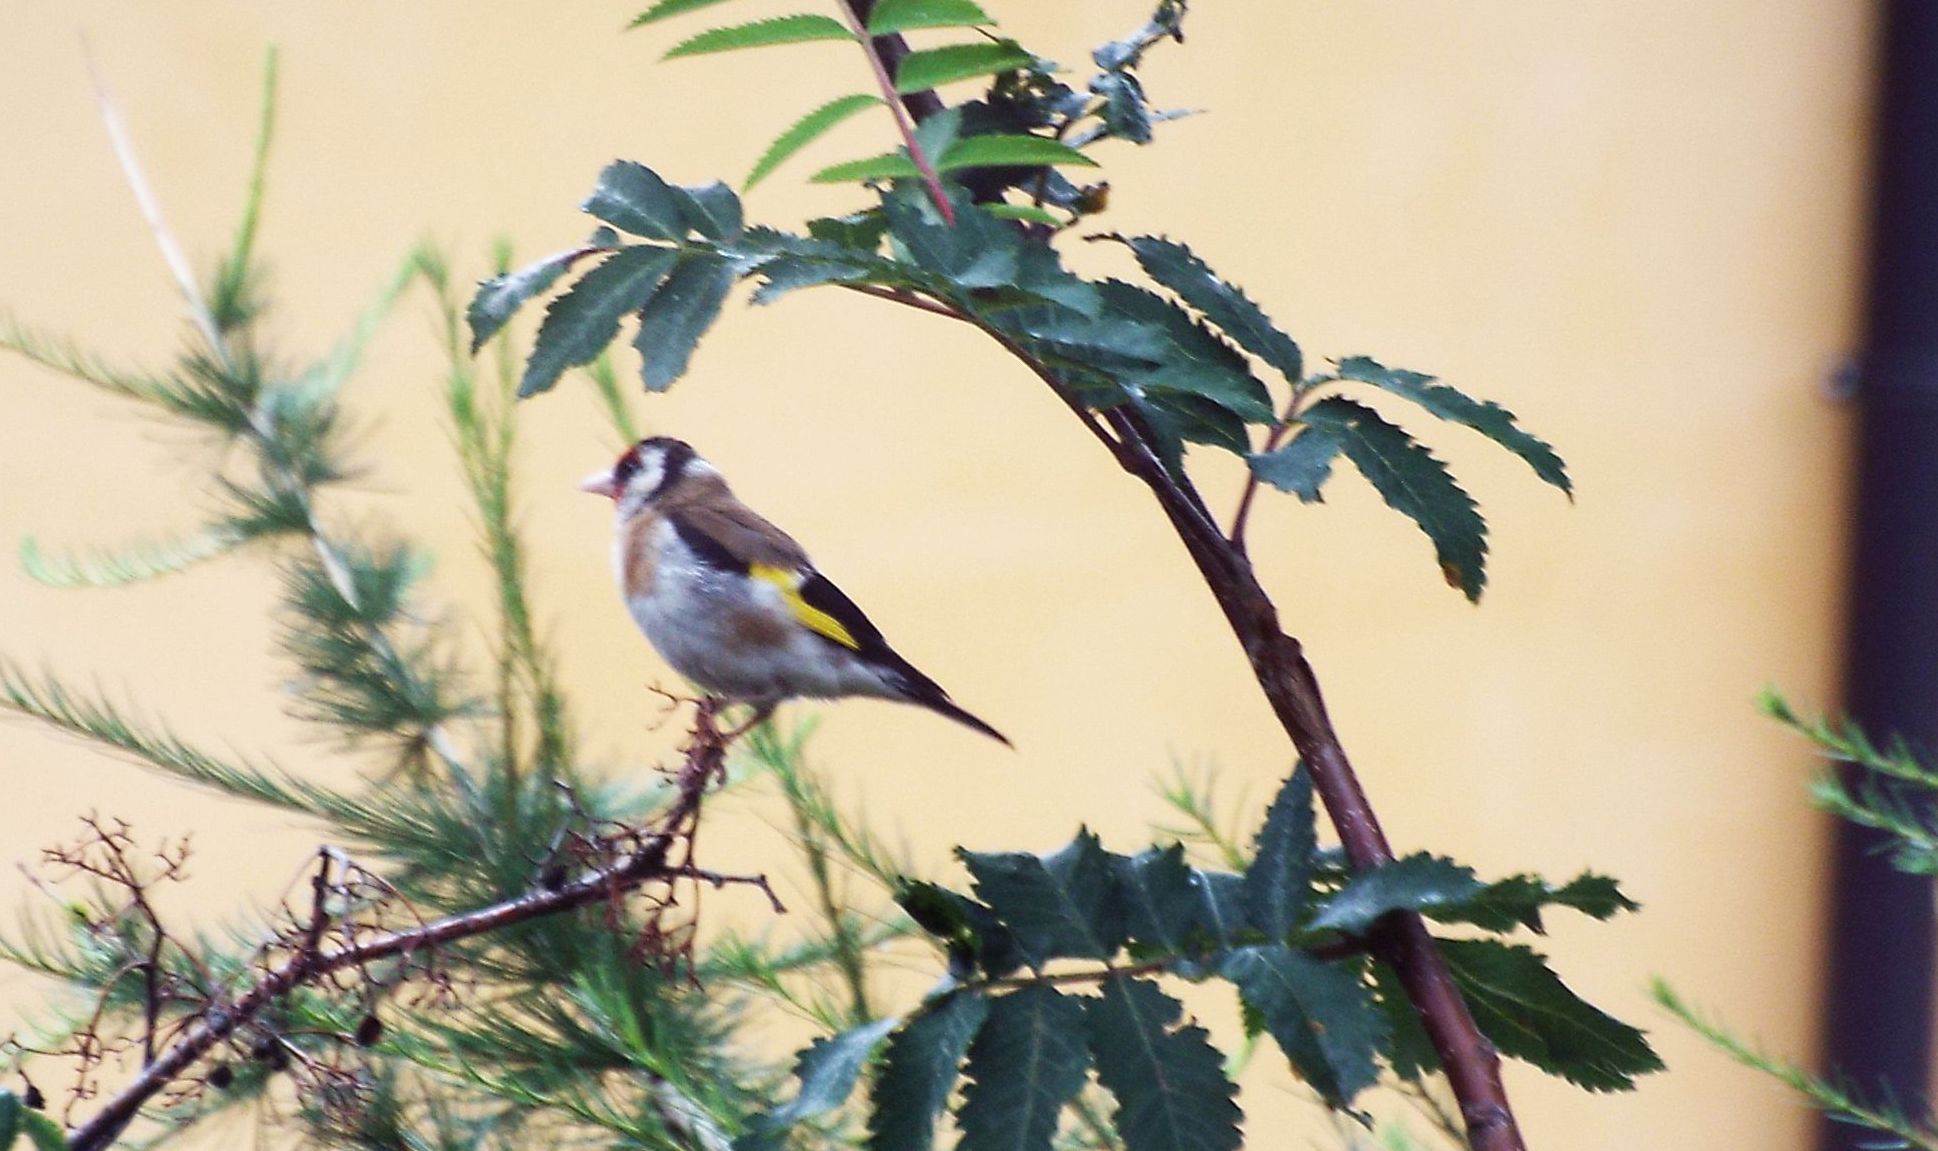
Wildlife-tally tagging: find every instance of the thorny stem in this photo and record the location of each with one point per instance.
(1278, 663)
(705, 760)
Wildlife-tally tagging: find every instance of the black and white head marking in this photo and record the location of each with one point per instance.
(650, 468)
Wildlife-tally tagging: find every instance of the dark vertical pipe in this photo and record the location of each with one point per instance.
(1878, 1021)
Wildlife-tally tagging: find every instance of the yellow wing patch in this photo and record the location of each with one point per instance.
(788, 582)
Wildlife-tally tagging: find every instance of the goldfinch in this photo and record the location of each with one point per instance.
(733, 603)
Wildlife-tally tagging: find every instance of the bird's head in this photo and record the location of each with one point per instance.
(646, 472)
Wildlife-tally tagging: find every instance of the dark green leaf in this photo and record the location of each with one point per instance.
(796, 29)
(1413, 483)
(962, 923)
(1181, 416)
(784, 274)
(1009, 151)
(10, 1113)
(887, 166)
(827, 1069)
(1174, 266)
(1302, 466)
(919, 1071)
(579, 324)
(1062, 904)
(632, 197)
(500, 297)
(978, 251)
(1221, 904)
(43, 1131)
(678, 315)
(1171, 1089)
(1518, 900)
(891, 16)
(666, 8)
(805, 131)
(862, 231)
(1026, 1063)
(711, 210)
(1198, 362)
(1321, 1014)
(1412, 1055)
(1029, 213)
(1277, 882)
(936, 134)
(1040, 273)
(1126, 113)
(1417, 883)
(1487, 418)
(1163, 907)
(934, 67)
(1530, 1014)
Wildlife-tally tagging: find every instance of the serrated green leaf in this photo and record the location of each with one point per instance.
(1040, 273)
(1127, 114)
(978, 251)
(805, 131)
(1411, 1055)
(861, 231)
(673, 321)
(666, 8)
(1026, 1063)
(46, 1134)
(1009, 152)
(799, 28)
(933, 67)
(1321, 1014)
(887, 166)
(1221, 904)
(632, 197)
(1414, 483)
(1301, 466)
(1419, 882)
(10, 1113)
(962, 922)
(919, 1069)
(1029, 213)
(1199, 362)
(1530, 1014)
(1518, 900)
(1486, 417)
(712, 210)
(579, 324)
(500, 297)
(1061, 904)
(1163, 907)
(784, 274)
(1278, 882)
(827, 1069)
(1177, 268)
(128, 564)
(891, 16)
(1170, 1085)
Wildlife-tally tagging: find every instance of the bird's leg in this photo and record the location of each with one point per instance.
(761, 712)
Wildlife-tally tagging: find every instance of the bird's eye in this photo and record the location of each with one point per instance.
(623, 470)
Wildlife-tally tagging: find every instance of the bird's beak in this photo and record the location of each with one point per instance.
(600, 484)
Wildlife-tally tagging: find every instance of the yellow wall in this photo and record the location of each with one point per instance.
(1635, 223)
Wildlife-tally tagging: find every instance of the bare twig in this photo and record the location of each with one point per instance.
(313, 956)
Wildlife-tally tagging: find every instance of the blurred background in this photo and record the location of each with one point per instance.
(1637, 225)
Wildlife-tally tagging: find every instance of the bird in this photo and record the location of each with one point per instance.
(733, 603)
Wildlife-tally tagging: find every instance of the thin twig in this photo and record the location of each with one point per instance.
(1272, 441)
(904, 124)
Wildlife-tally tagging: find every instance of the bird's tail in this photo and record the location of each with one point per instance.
(914, 687)
(942, 705)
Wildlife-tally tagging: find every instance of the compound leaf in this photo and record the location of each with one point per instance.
(579, 324)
